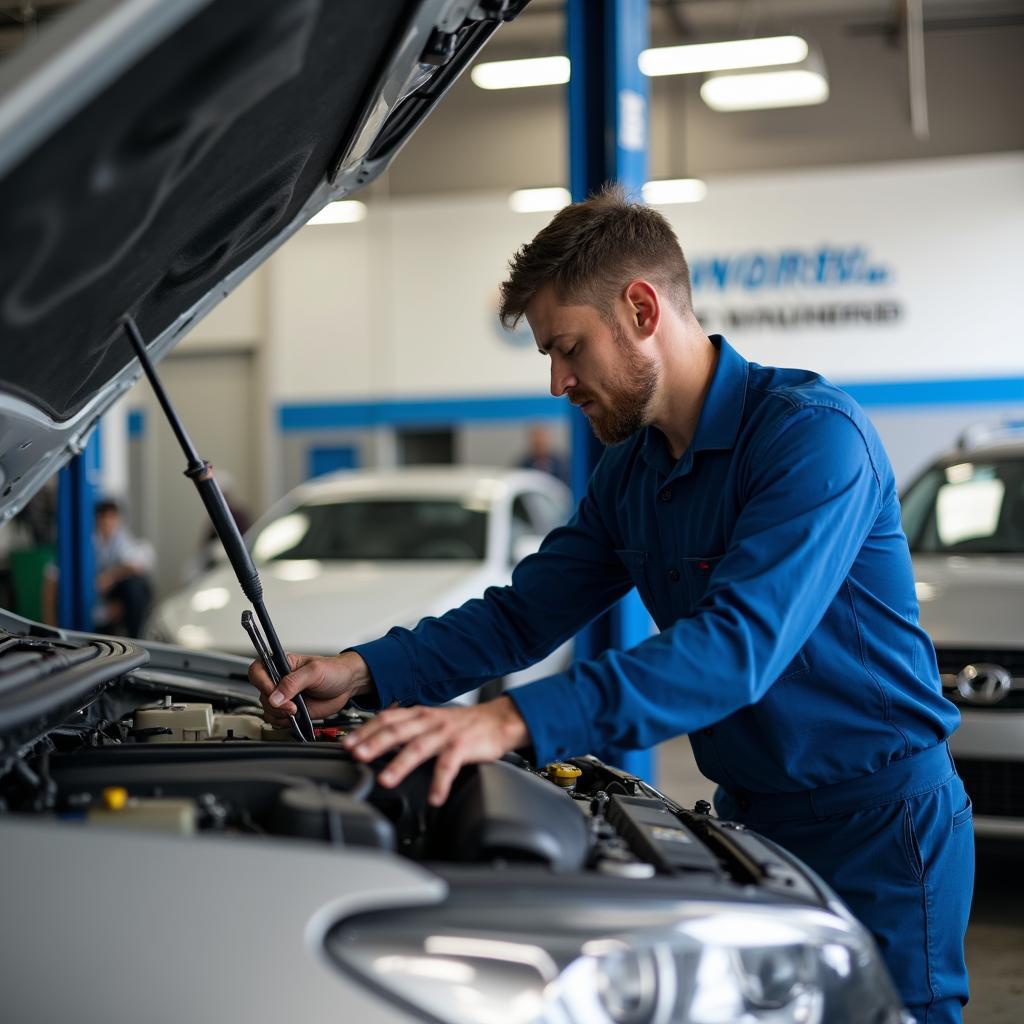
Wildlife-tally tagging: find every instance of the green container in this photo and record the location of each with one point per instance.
(28, 570)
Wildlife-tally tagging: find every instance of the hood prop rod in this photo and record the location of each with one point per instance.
(200, 472)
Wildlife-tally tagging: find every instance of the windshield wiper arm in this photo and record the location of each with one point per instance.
(200, 473)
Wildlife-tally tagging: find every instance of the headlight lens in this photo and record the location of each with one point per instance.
(597, 962)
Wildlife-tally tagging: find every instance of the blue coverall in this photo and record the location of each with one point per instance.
(772, 559)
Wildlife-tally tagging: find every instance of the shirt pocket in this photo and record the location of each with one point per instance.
(636, 565)
(697, 572)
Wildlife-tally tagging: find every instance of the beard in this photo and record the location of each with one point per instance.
(624, 409)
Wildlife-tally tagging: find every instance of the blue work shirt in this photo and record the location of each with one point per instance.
(772, 559)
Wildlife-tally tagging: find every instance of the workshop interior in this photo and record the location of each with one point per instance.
(266, 392)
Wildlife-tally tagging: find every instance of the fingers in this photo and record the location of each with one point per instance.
(447, 767)
(422, 733)
(409, 758)
(418, 731)
(277, 713)
(278, 716)
(383, 733)
(259, 678)
(308, 673)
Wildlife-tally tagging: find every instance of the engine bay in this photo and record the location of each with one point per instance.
(155, 751)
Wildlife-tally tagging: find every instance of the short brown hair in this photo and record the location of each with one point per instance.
(591, 250)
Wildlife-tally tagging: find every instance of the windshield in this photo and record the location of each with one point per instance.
(392, 529)
(967, 508)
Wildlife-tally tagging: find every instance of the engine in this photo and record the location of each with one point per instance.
(181, 765)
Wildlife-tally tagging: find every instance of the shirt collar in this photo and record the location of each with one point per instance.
(719, 421)
(720, 417)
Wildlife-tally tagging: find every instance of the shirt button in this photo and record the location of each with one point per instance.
(673, 575)
(707, 732)
(666, 495)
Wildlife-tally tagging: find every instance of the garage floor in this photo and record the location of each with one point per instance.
(995, 938)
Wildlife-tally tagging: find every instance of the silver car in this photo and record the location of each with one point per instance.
(964, 519)
(167, 855)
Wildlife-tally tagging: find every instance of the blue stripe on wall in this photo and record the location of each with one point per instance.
(969, 391)
(424, 412)
(427, 412)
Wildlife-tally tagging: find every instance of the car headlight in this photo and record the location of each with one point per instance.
(596, 961)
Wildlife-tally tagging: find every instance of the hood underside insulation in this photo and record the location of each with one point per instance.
(172, 177)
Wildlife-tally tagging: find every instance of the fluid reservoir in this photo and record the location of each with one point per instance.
(563, 775)
(156, 814)
(168, 722)
(173, 723)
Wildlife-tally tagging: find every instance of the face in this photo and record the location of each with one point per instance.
(595, 364)
(107, 524)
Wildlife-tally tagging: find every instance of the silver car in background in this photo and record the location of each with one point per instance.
(964, 519)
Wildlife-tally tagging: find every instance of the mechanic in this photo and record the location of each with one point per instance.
(755, 510)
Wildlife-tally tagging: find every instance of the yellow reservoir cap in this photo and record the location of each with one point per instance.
(562, 774)
(115, 798)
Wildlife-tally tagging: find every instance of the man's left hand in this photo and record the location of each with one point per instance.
(455, 736)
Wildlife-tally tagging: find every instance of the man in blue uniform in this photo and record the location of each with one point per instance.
(755, 510)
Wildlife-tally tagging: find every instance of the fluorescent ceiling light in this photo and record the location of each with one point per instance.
(347, 211)
(521, 74)
(798, 87)
(696, 58)
(539, 200)
(674, 190)
(658, 193)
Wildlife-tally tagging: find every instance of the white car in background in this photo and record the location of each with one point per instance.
(347, 556)
(964, 519)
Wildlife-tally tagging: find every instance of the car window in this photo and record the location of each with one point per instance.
(545, 512)
(969, 507)
(520, 526)
(408, 529)
(534, 514)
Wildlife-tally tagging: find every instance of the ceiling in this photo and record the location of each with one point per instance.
(679, 21)
(974, 90)
(476, 140)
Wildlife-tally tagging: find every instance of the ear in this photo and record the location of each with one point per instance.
(644, 306)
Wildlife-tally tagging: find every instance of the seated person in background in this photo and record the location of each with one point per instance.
(123, 566)
(542, 455)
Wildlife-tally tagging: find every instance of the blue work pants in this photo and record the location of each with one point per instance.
(898, 848)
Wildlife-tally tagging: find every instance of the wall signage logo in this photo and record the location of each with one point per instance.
(792, 287)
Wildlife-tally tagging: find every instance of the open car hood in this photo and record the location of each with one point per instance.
(153, 153)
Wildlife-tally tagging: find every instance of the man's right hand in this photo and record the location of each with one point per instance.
(327, 685)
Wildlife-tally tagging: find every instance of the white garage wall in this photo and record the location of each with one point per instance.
(391, 322)
(947, 232)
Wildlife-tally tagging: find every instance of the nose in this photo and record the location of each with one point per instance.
(561, 378)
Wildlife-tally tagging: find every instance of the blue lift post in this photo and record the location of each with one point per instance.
(76, 490)
(608, 105)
